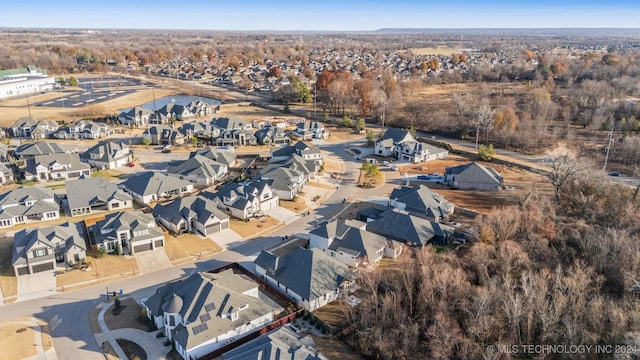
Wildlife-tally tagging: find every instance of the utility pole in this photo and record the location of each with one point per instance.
(608, 148)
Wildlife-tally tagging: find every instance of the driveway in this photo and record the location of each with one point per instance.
(226, 238)
(281, 214)
(36, 285)
(154, 260)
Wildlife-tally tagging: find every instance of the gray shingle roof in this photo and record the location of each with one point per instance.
(86, 192)
(127, 220)
(401, 226)
(279, 344)
(67, 235)
(27, 193)
(422, 200)
(71, 160)
(474, 172)
(197, 165)
(150, 182)
(106, 150)
(189, 206)
(214, 294)
(40, 148)
(309, 273)
(349, 237)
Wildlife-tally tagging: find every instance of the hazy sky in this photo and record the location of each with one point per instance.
(319, 15)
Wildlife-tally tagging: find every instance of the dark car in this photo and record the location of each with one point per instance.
(166, 151)
(614, 173)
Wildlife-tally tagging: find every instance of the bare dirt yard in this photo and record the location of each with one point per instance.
(297, 205)
(8, 279)
(187, 245)
(253, 226)
(247, 112)
(19, 337)
(99, 269)
(523, 183)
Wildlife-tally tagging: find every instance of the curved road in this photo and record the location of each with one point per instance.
(68, 313)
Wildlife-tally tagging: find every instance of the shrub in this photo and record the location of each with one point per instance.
(117, 304)
(101, 252)
(145, 141)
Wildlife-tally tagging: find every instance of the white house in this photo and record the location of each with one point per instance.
(192, 214)
(207, 311)
(108, 155)
(128, 232)
(27, 204)
(247, 200)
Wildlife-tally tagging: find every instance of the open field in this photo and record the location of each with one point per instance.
(247, 112)
(249, 228)
(439, 50)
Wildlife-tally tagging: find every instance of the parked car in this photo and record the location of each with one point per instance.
(166, 151)
(614, 173)
(130, 164)
(431, 178)
(385, 163)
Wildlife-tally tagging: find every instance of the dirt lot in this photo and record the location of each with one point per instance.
(335, 349)
(8, 279)
(365, 181)
(253, 226)
(296, 205)
(18, 337)
(523, 182)
(101, 268)
(440, 50)
(186, 245)
(247, 112)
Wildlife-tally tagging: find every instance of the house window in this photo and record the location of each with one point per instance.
(39, 252)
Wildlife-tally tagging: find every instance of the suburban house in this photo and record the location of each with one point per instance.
(197, 128)
(151, 186)
(163, 135)
(421, 201)
(48, 248)
(309, 276)
(415, 231)
(6, 173)
(285, 183)
(404, 146)
(127, 233)
(27, 204)
(136, 116)
(191, 214)
(84, 129)
(28, 127)
(282, 343)
(472, 176)
(207, 311)
(223, 156)
(88, 195)
(308, 130)
(307, 152)
(55, 167)
(31, 150)
(246, 200)
(232, 131)
(272, 135)
(108, 155)
(310, 168)
(4, 152)
(198, 169)
(350, 243)
(176, 112)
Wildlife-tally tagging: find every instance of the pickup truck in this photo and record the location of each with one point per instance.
(431, 178)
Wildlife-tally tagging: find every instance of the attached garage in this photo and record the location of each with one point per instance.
(141, 248)
(212, 229)
(23, 270)
(224, 225)
(159, 243)
(42, 267)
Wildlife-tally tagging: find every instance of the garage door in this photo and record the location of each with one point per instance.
(42, 267)
(213, 229)
(141, 248)
(225, 225)
(23, 271)
(159, 243)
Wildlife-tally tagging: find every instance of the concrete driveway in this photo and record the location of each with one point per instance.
(36, 285)
(226, 238)
(281, 214)
(154, 260)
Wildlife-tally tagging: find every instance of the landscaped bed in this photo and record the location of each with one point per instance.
(128, 316)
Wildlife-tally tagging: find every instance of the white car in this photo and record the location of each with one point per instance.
(385, 163)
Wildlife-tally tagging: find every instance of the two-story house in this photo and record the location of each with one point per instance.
(404, 146)
(285, 183)
(192, 214)
(272, 135)
(151, 186)
(27, 204)
(48, 248)
(308, 130)
(207, 311)
(55, 167)
(136, 116)
(246, 200)
(127, 233)
(198, 169)
(28, 127)
(108, 155)
(421, 201)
